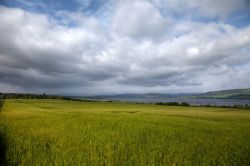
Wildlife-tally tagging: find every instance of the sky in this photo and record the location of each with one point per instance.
(89, 47)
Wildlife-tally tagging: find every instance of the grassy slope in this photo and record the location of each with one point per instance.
(225, 94)
(65, 132)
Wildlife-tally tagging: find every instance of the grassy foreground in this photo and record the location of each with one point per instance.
(57, 132)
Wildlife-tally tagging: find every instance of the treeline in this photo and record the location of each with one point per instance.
(246, 106)
(28, 96)
(78, 99)
(40, 96)
(185, 104)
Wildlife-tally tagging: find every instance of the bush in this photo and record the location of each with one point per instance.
(185, 104)
(1, 104)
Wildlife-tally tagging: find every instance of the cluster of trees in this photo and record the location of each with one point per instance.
(185, 104)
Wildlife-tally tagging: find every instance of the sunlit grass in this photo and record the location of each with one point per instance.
(42, 132)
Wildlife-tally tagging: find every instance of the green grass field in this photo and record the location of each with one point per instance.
(58, 132)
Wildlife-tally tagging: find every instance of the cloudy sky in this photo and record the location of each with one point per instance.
(124, 46)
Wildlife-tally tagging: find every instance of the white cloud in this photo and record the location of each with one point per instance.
(193, 51)
(139, 19)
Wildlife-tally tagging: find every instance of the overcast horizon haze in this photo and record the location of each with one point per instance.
(91, 47)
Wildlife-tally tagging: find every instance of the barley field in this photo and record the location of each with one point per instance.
(59, 132)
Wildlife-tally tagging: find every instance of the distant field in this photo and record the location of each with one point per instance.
(58, 132)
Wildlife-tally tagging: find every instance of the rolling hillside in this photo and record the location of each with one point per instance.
(227, 94)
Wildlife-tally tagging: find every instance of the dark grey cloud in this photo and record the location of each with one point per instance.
(135, 49)
(209, 8)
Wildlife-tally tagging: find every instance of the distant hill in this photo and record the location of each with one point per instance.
(226, 94)
(146, 95)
